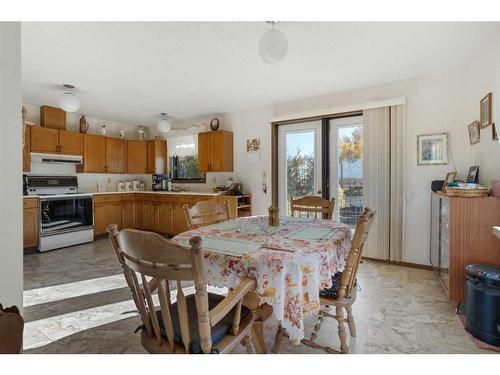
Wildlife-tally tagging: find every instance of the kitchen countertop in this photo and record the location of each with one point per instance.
(207, 193)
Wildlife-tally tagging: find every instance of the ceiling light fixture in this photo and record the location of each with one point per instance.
(68, 100)
(164, 125)
(273, 45)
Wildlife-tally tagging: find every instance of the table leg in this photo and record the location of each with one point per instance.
(252, 301)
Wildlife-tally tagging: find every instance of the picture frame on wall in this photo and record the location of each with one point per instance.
(432, 149)
(485, 111)
(494, 134)
(474, 133)
(450, 177)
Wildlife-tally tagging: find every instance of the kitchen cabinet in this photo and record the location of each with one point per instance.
(44, 140)
(107, 210)
(128, 211)
(179, 222)
(137, 157)
(27, 149)
(94, 154)
(30, 222)
(70, 143)
(116, 155)
(157, 156)
(151, 216)
(52, 117)
(165, 218)
(53, 141)
(215, 151)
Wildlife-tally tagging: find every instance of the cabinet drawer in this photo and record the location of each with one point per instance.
(107, 198)
(30, 203)
(129, 197)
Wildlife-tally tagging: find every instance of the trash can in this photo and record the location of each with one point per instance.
(482, 309)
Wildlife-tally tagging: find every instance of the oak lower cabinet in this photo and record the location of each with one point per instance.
(165, 218)
(151, 216)
(30, 222)
(128, 211)
(107, 210)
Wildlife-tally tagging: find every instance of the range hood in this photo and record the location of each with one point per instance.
(56, 159)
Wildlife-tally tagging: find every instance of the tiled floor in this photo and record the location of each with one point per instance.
(76, 301)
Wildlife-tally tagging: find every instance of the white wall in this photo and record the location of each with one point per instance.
(434, 105)
(481, 77)
(11, 221)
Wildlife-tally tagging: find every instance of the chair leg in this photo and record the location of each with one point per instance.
(247, 343)
(277, 340)
(350, 321)
(342, 335)
(317, 327)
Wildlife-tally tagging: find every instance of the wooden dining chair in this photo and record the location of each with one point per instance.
(206, 213)
(342, 293)
(312, 204)
(198, 323)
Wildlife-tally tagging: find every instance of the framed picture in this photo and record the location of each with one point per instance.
(474, 134)
(494, 134)
(473, 175)
(450, 177)
(486, 110)
(432, 149)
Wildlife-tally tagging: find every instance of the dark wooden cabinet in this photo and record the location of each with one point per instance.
(461, 234)
(215, 151)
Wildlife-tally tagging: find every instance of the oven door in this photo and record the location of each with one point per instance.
(65, 214)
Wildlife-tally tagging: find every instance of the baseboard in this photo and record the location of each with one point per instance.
(405, 264)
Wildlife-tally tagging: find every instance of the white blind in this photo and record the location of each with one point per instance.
(183, 142)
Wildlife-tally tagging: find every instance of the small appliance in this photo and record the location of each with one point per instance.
(160, 182)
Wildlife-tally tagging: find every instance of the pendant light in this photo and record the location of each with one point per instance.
(68, 101)
(164, 125)
(273, 45)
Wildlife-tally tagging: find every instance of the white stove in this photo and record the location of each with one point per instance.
(66, 217)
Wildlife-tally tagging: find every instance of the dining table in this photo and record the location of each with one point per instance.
(291, 262)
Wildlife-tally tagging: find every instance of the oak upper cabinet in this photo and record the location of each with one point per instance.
(215, 151)
(116, 155)
(94, 154)
(45, 140)
(30, 222)
(27, 149)
(157, 156)
(70, 143)
(107, 210)
(53, 141)
(137, 157)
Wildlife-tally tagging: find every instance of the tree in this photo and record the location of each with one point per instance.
(350, 150)
(300, 174)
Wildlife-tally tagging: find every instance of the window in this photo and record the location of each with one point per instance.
(183, 155)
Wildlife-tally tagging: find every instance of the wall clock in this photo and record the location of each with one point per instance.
(214, 124)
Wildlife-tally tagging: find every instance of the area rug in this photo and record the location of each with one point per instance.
(480, 344)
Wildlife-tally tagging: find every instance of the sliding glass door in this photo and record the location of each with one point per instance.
(299, 162)
(346, 168)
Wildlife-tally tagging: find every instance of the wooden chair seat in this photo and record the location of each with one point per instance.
(218, 331)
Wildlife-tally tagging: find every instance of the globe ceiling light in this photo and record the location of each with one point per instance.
(68, 101)
(273, 45)
(164, 125)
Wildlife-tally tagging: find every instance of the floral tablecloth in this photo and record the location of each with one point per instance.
(289, 281)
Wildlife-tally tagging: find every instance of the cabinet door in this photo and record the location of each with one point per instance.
(204, 151)
(157, 156)
(30, 227)
(94, 153)
(44, 140)
(106, 214)
(139, 215)
(221, 151)
(128, 214)
(27, 149)
(165, 218)
(137, 157)
(179, 223)
(151, 218)
(70, 143)
(116, 155)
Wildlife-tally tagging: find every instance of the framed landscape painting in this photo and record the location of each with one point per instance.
(432, 149)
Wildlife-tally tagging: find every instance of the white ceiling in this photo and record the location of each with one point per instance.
(130, 72)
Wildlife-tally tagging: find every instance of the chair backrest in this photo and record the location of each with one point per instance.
(206, 213)
(348, 278)
(148, 254)
(313, 204)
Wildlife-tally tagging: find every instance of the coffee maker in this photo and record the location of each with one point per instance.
(160, 182)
